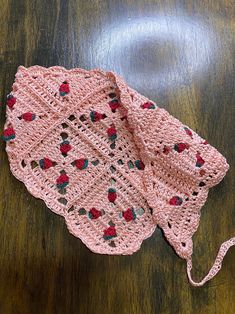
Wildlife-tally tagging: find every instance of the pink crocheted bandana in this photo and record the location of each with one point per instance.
(109, 160)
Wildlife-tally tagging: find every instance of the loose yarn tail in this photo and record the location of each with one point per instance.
(216, 266)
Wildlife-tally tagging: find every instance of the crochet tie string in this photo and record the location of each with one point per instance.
(215, 267)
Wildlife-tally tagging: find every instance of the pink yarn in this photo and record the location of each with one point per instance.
(109, 160)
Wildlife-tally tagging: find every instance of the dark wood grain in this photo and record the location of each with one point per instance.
(179, 53)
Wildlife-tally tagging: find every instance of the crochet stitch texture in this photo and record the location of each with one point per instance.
(109, 160)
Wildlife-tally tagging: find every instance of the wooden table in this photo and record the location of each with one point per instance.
(181, 55)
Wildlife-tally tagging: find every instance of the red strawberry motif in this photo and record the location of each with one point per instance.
(176, 201)
(62, 181)
(129, 215)
(139, 164)
(109, 233)
(94, 213)
(96, 116)
(114, 104)
(9, 134)
(112, 195)
(200, 161)
(28, 116)
(11, 100)
(148, 105)
(112, 132)
(81, 163)
(180, 147)
(64, 89)
(188, 131)
(45, 163)
(65, 147)
(205, 142)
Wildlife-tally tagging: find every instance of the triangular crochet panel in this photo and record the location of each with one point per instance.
(109, 160)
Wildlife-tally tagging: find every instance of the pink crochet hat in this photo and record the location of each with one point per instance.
(109, 160)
